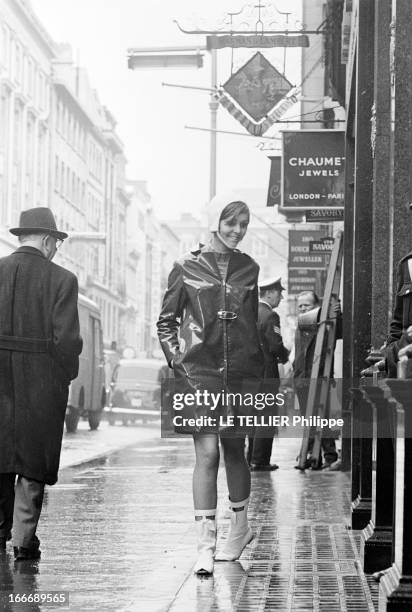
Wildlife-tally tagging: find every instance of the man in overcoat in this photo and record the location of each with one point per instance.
(40, 345)
(399, 336)
(305, 342)
(274, 351)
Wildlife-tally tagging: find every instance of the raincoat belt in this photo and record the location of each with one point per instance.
(25, 345)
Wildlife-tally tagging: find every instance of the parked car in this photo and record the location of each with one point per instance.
(135, 390)
(87, 393)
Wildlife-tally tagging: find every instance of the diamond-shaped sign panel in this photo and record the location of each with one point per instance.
(257, 87)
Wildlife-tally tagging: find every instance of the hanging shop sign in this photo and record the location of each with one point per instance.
(257, 129)
(274, 181)
(324, 215)
(258, 41)
(313, 169)
(257, 87)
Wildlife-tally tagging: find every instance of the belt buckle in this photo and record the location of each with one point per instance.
(226, 315)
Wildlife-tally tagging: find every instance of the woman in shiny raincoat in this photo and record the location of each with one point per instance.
(208, 332)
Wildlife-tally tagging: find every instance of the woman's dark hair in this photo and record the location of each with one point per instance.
(233, 209)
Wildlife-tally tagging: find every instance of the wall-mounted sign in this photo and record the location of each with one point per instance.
(300, 255)
(306, 280)
(325, 245)
(324, 215)
(274, 181)
(313, 169)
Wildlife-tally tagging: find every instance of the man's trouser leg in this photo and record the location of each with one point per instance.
(262, 451)
(27, 508)
(329, 446)
(6, 503)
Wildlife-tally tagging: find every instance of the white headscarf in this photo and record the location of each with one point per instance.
(218, 204)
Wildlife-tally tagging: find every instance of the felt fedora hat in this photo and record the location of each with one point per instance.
(36, 221)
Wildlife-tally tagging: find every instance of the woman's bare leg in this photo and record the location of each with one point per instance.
(238, 481)
(237, 469)
(205, 472)
(205, 500)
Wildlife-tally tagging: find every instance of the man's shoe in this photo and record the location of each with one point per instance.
(268, 467)
(336, 466)
(26, 554)
(327, 465)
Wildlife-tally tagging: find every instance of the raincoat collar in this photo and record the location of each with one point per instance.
(29, 251)
(207, 248)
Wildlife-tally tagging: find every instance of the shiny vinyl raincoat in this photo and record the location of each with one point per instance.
(208, 325)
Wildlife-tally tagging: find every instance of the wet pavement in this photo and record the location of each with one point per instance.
(118, 534)
(84, 445)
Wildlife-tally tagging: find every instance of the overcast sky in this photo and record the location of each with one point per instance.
(151, 118)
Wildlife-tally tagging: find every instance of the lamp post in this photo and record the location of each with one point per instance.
(213, 105)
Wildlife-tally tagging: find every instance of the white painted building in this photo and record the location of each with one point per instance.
(145, 244)
(26, 51)
(87, 192)
(59, 148)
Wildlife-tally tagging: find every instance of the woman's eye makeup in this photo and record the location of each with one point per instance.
(232, 222)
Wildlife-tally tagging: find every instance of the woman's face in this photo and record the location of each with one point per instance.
(233, 229)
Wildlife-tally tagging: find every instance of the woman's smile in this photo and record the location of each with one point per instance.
(233, 229)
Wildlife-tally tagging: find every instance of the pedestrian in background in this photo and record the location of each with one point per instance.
(208, 332)
(399, 334)
(39, 356)
(305, 341)
(260, 448)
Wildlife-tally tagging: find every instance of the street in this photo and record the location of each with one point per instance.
(117, 533)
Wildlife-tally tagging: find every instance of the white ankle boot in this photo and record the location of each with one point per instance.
(240, 533)
(206, 542)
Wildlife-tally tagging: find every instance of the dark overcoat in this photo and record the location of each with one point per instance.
(273, 348)
(209, 351)
(402, 314)
(40, 345)
(305, 343)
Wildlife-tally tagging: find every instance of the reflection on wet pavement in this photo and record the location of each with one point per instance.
(118, 534)
(84, 444)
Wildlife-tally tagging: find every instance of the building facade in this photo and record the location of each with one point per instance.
(26, 53)
(144, 241)
(59, 148)
(372, 40)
